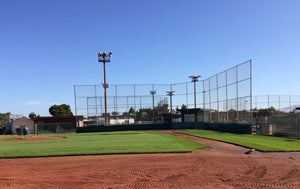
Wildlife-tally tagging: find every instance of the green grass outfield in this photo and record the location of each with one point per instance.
(124, 142)
(261, 143)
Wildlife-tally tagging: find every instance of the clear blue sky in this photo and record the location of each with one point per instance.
(48, 46)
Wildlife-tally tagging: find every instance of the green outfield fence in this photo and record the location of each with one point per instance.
(223, 127)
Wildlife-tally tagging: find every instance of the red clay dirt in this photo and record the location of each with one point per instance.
(222, 166)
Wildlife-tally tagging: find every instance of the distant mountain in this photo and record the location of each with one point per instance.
(288, 109)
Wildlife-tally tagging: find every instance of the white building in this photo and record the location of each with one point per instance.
(13, 117)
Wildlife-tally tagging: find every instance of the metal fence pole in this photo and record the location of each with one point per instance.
(296, 128)
(251, 116)
(268, 101)
(290, 104)
(101, 106)
(279, 103)
(186, 95)
(127, 104)
(203, 100)
(237, 96)
(116, 106)
(227, 116)
(87, 106)
(210, 120)
(218, 98)
(134, 102)
(96, 100)
(75, 98)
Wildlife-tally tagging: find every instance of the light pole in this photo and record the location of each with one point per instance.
(170, 93)
(195, 79)
(104, 57)
(152, 93)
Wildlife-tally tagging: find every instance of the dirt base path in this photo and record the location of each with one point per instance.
(199, 169)
(226, 147)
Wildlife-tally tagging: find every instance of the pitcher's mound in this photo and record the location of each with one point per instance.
(33, 138)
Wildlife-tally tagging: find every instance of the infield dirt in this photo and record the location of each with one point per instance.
(221, 166)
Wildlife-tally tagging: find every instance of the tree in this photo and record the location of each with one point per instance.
(4, 119)
(162, 109)
(267, 111)
(32, 115)
(144, 114)
(184, 107)
(115, 113)
(131, 111)
(62, 110)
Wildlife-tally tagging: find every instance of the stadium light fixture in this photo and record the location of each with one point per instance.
(104, 58)
(195, 79)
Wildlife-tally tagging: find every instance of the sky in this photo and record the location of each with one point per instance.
(47, 47)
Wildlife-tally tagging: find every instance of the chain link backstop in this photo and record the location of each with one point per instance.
(224, 97)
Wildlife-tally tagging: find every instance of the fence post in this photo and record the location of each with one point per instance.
(251, 115)
(290, 103)
(210, 120)
(35, 128)
(186, 95)
(75, 104)
(227, 116)
(237, 96)
(96, 100)
(296, 128)
(279, 103)
(218, 97)
(116, 105)
(134, 103)
(87, 106)
(203, 101)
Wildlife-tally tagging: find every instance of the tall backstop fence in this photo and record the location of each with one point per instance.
(227, 95)
(89, 99)
(277, 115)
(222, 98)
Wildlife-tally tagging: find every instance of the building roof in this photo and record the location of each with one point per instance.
(50, 119)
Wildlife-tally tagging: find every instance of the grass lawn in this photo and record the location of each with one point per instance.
(124, 142)
(261, 143)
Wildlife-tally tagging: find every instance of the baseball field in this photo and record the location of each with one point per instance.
(149, 159)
